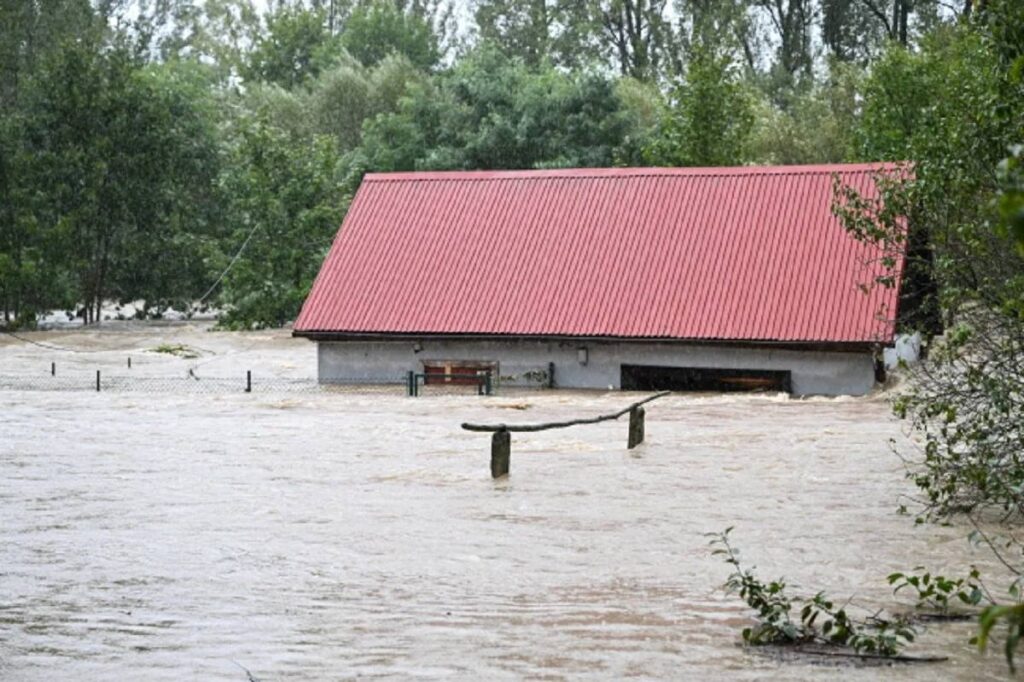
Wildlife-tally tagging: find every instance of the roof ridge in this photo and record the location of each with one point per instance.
(630, 172)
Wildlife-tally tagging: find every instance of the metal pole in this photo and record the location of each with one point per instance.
(487, 382)
(551, 375)
(248, 381)
(410, 387)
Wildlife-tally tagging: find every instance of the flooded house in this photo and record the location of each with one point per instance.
(633, 278)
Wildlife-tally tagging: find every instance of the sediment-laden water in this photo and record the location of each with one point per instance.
(162, 536)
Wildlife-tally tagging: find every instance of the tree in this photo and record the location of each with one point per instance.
(851, 31)
(636, 35)
(285, 202)
(380, 28)
(537, 30)
(296, 46)
(724, 27)
(123, 166)
(793, 22)
(710, 119)
(217, 33)
(490, 112)
(818, 125)
(342, 98)
(965, 402)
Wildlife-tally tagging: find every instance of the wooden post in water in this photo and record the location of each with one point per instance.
(636, 427)
(53, 369)
(248, 381)
(129, 362)
(97, 381)
(501, 453)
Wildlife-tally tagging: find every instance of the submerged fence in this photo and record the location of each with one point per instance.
(501, 439)
(411, 384)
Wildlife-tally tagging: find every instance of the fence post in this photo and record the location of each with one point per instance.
(551, 375)
(410, 377)
(501, 453)
(487, 390)
(53, 369)
(97, 381)
(248, 381)
(636, 427)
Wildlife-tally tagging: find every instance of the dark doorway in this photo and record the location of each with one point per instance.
(655, 378)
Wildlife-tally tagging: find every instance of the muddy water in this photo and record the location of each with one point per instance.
(169, 537)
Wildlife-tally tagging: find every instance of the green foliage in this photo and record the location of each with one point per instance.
(1010, 199)
(817, 126)
(176, 349)
(1013, 618)
(342, 98)
(710, 120)
(285, 202)
(380, 28)
(934, 592)
(490, 112)
(945, 108)
(536, 31)
(296, 46)
(122, 160)
(821, 620)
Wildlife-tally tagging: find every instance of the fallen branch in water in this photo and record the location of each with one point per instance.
(821, 621)
(897, 658)
(561, 425)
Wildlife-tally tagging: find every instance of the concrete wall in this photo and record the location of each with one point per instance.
(522, 362)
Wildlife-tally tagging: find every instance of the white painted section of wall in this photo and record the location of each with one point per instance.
(907, 349)
(813, 372)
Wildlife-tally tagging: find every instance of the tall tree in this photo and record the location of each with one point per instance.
(537, 30)
(126, 165)
(851, 31)
(296, 46)
(793, 23)
(379, 28)
(492, 112)
(710, 119)
(637, 36)
(285, 202)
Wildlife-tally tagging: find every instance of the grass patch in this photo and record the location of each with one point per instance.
(176, 349)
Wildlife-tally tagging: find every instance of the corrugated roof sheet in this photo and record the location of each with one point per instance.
(745, 254)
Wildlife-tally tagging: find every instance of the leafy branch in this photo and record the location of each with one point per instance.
(821, 620)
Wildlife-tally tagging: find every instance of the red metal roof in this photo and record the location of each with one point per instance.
(745, 254)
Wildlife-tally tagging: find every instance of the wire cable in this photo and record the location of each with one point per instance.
(238, 254)
(51, 346)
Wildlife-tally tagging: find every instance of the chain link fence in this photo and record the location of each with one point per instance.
(251, 382)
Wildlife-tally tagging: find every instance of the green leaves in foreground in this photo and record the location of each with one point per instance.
(822, 621)
(1014, 619)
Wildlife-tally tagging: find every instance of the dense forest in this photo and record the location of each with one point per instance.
(146, 149)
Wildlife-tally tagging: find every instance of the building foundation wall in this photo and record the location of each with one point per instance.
(525, 362)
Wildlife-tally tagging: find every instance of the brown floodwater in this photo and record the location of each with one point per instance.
(170, 536)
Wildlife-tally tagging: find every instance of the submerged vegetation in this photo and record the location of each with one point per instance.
(821, 620)
(177, 350)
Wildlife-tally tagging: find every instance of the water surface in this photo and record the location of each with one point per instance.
(322, 536)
